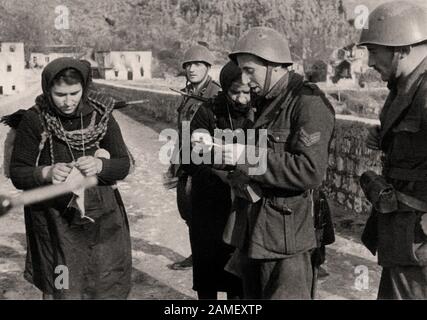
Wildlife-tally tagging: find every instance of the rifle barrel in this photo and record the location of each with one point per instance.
(51, 191)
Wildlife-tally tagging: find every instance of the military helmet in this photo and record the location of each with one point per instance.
(198, 53)
(396, 24)
(229, 73)
(265, 43)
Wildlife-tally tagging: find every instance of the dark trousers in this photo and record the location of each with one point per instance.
(278, 279)
(400, 283)
(183, 198)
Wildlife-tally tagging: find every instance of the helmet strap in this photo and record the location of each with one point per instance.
(199, 85)
(394, 66)
(267, 81)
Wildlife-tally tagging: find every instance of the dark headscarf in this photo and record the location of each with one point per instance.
(229, 73)
(53, 69)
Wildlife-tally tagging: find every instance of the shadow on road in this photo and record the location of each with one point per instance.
(145, 287)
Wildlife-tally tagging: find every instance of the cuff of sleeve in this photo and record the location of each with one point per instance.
(38, 177)
(243, 168)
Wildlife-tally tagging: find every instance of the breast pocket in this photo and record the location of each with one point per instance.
(278, 139)
(406, 137)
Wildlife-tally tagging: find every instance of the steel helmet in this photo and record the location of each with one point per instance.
(198, 53)
(396, 24)
(265, 43)
(229, 73)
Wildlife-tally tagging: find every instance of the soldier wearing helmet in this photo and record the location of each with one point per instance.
(275, 234)
(397, 43)
(196, 63)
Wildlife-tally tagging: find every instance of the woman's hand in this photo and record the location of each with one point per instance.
(57, 173)
(89, 166)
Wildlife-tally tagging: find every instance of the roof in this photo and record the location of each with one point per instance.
(57, 49)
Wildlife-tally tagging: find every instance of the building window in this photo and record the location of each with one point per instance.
(13, 88)
(138, 57)
(47, 59)
(116, 73)
(9, 68)
(12, 48)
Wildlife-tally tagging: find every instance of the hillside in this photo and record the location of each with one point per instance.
(168, 27)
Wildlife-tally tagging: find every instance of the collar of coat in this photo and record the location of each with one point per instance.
(401, 97)
(274, 101)
(200, 92)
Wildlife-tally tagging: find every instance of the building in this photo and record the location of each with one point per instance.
(349, 63)
(124, 65)
(12, 68)
(40, 57)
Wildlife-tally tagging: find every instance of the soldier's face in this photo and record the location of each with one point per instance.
(382, 59)
(253, 72)
(240, 93)
(66, 97)
(196, 71)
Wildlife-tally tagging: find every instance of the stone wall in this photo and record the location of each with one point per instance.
(348, 158)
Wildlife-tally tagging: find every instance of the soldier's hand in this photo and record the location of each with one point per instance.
(373, 138)
(59, 172)
(233, 154)
(423, 223)
(89, 166)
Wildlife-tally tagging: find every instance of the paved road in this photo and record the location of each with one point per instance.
(159, 236)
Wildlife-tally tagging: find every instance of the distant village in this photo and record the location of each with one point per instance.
(109, 65)
(344, 68)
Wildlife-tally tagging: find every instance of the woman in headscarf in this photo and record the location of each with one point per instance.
(211, 195)
(78, 245)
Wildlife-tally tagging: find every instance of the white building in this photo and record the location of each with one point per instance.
(12, 65)
(42, 56)
(124, 65)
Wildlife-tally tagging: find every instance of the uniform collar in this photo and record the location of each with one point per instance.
(401, 97)
(200, 92)
(278, 87)
(272, 107)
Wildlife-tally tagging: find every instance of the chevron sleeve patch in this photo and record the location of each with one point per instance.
(308, 139)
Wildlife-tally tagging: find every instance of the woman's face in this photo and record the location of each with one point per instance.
(240, 93)
(67, 96)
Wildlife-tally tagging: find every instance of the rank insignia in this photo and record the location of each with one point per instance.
(308, 139)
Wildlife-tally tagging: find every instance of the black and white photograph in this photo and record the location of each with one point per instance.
(226, 152)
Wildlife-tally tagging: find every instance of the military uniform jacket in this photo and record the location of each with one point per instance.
(189, 106)
(299, 122)
(403, 141)
(186, 111)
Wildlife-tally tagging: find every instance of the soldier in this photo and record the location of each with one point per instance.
(397, 45)
(275, 235)
(196, 63)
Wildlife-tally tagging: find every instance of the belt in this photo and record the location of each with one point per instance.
(412, 175)
(280, 193)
